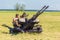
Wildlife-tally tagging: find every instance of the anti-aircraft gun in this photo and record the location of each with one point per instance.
(29, 25)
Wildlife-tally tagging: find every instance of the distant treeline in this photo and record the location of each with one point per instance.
(29, 10)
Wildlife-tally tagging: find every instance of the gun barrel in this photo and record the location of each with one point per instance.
(38, 13)
(34, 17)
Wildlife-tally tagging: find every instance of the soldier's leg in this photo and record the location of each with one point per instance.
(18, 29)
(11, 30)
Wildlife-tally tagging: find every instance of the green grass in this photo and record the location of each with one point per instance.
(50, 22)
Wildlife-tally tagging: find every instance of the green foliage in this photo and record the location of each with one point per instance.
(19, 7)
(22, 8)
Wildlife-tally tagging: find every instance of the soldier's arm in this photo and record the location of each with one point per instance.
(17, 23)
(14, 20)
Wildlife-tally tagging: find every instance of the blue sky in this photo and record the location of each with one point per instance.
(31, 4)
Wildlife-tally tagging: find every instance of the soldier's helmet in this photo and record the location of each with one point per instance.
(24, 15)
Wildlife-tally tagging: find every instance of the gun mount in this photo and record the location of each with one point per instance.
(30, 24)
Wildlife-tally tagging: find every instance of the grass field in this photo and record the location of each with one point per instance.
(50, 22)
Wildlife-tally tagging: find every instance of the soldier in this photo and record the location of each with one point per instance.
(23, 17)
(23, 20)
(16, 25)
(15, 20)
